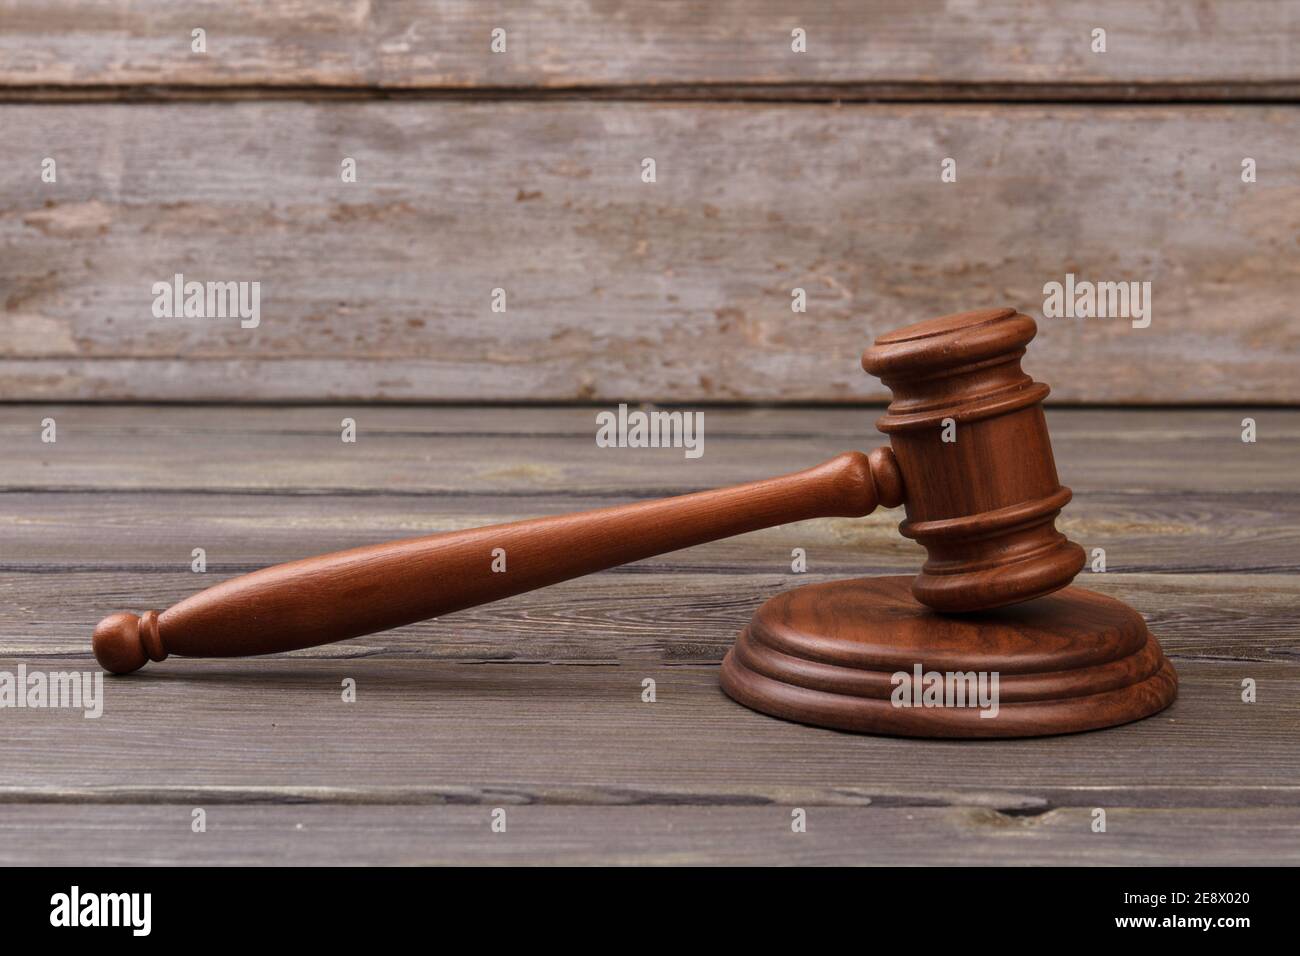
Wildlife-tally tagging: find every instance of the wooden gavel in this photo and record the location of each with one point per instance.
(969, 456)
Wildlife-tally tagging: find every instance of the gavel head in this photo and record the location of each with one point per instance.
(967, 429)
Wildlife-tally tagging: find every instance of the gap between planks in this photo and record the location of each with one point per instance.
(1010, 803)
(1073, 94)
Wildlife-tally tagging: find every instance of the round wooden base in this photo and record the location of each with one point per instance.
(864, 656)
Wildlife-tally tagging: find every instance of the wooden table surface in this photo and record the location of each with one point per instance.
(534, 705)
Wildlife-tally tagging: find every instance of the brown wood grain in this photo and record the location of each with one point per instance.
(332, 597)
(829, 654)
(313, 835)
(566, 43)
(678, 290)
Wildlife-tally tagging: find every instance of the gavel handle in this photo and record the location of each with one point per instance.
(348, 593)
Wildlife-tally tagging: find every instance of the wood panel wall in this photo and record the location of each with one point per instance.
(522, 171)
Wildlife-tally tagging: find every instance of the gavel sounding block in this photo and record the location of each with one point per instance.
(830, 655)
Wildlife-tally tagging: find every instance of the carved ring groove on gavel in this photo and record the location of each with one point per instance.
(984, 507)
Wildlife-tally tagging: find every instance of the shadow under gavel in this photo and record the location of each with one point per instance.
(969, 457)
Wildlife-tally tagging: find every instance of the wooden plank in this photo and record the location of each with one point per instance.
(565, 43)
(690, 613)
(589, 773)
(667, 836)
(617, 289)
(518, 734)
(1166, 532)
(238, 482)
(551, 452)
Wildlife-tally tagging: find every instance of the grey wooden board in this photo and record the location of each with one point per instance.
(559, 734)
(677, 290)
(560, 43)
(534, 703)
(1166, 531)
(1207, 553)
(685, 614)
(552, 452)
(665, 836)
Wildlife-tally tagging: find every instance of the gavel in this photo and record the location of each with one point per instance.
(969, 457)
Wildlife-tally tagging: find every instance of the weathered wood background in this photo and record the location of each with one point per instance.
(443, 44)
(521, 171)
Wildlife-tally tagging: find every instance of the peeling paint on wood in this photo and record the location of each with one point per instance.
(438, 44)
(674, 291)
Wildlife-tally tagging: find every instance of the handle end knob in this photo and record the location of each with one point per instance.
(124, 643)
